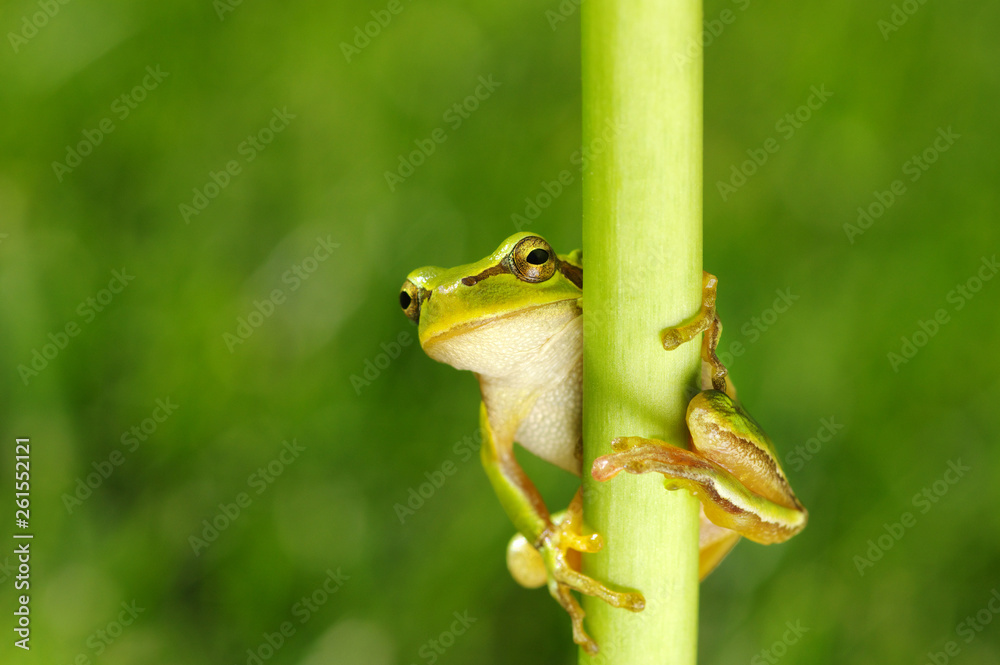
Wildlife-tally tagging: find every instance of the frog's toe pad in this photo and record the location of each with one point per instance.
(604, 468)
(671, 339)
(624, 458)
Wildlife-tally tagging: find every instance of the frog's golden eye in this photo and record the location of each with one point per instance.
(533, 260)
(409, 300)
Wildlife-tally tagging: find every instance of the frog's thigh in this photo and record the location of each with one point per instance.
(748, 477)
(724, 433)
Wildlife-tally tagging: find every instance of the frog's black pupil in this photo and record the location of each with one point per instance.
(404, 299)
(537, 257)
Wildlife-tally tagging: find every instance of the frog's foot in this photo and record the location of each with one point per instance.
(555, 561)
(707, 321)
(731, 469)
(728, 502)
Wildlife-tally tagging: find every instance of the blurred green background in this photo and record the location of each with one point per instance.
(364, 441)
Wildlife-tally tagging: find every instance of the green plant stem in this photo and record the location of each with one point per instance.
(642, 239)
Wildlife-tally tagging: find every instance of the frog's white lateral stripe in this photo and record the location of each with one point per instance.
(778, 522)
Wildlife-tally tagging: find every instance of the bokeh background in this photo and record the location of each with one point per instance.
(328, 513)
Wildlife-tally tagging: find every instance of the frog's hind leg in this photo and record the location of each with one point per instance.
(731, 468)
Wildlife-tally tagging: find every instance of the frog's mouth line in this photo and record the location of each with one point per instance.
(463, 328)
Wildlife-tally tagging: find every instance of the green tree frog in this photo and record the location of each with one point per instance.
(514, 319)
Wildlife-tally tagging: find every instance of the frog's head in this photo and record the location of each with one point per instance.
(490, 314)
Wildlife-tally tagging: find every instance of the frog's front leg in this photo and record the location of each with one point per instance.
(707, 321)
(731, 468)
(554, 542)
